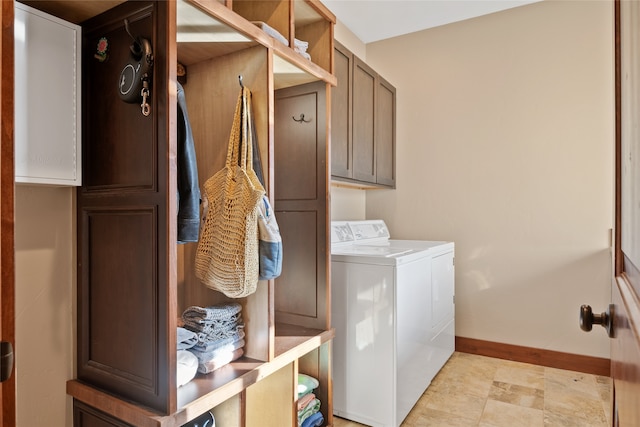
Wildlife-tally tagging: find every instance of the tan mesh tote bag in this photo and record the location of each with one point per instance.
(227, 254)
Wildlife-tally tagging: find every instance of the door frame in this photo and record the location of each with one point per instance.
(7, 247)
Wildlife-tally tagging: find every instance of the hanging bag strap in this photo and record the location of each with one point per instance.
(234, 138)
(247, 152)
(248, 141)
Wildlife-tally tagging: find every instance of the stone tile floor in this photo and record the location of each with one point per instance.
(473, 390)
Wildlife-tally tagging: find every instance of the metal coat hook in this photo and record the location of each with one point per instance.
(126, 27)
(301, 119)
(240, 81)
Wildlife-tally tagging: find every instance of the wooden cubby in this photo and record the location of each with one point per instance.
(216, 42)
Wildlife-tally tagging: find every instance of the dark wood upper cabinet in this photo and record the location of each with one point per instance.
(341, 142)
(385, 133)
(363, 124)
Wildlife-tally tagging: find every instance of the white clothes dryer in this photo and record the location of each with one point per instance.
(392, 307)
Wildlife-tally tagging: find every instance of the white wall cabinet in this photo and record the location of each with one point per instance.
(47, 99)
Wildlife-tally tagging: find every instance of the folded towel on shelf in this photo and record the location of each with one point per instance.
(206, 345)
(205, 356)
(220, 361)
(186, 338)
(309, 410)
(306, 384)
(304, 400)
(212, 335)
(216, 312)
(186, 367)
(271, 31)
(300, 45)
(216, 330)
(314, 420)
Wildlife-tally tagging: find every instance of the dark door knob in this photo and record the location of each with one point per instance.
(588, 319)
(6, 360)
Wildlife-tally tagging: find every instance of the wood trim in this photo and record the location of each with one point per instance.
(7, 236)
(536, 356)
(618, 258)
(630, 272)
(322, 10)
(167, 128)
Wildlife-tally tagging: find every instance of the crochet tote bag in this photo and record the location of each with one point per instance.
(227, 254)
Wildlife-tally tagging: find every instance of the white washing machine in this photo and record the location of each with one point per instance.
(392, 306)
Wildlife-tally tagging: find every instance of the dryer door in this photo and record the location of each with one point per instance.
(442, 291)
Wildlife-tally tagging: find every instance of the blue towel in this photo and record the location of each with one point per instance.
(314, 420)
(215, 312)
(206, 345)
(186, 338)
(216, 335)
(216, 331)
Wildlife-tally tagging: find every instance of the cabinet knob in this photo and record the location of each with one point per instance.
(588, 319)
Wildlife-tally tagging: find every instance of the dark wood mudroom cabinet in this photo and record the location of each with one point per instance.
(301, 191)
(134, 280)
(124, 268)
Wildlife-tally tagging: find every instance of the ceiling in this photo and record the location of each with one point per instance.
(374, 20)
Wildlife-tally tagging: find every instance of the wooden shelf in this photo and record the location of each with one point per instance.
(299, 340)
(207, 391)
(202, 37)
(313, 23)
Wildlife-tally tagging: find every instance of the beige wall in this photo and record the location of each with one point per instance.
(505, 127)
(45, 283)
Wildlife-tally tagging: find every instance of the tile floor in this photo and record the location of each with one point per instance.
(473, 390)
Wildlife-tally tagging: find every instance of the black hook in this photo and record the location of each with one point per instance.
(136, 48)
(301, 119)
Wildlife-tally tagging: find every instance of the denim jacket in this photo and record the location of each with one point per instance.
(188, 187)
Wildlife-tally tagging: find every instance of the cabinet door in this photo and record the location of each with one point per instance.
(86, 416)
(364, 113)
(126, 242)
(442, 291)
(386, 133)
(341, 146)
(300, 164)
(47, 99)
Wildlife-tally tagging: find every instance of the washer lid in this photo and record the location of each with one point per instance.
(385, 251)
